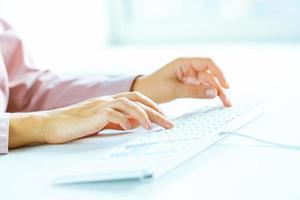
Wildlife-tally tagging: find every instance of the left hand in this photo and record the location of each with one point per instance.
(185, 78)
(121, 111)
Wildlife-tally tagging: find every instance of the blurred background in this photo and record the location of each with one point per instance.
(255, 42)
(114, 37)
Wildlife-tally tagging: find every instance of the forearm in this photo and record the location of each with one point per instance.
(26, 129)
(155, 87)
(49, 91)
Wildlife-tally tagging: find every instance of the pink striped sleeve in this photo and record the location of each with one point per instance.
(4, 128)
(32, 89)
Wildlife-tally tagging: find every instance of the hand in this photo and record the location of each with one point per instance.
(122, 111)
(185, 78)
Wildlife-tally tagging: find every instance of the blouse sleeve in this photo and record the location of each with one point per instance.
(32, 89)
(4, 128)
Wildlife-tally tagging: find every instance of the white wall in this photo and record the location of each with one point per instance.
(54, 28)
(70, 36)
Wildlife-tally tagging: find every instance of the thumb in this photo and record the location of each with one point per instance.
(196, 91)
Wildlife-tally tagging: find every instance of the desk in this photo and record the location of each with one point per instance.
(235, 168)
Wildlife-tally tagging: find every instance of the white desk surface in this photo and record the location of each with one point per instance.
(235, 168)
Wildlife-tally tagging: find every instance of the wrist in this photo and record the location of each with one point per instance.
(141, 85)
(136, 84)
(26, 128)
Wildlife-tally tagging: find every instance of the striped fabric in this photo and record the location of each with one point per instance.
(4, 127)
(25, 88)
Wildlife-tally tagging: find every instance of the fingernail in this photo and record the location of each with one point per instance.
(148, 125)
(169, 123)
(227, 84)
(128, 126)
(211, 93)
(228, 102)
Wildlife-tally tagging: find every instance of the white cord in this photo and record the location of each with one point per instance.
(284, 146)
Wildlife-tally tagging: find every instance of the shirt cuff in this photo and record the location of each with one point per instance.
(4, 130)
(120, 84)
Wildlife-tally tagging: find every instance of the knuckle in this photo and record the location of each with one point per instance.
(202, 75)
(108, 112)
(126, 103)
(123, 100)
(179, 59)
(136, 94)
(208, 60)
(211, 79)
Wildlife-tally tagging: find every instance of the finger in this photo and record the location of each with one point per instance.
(196, 91)
(113, 126)
(157, 118)
(133, 124)
(124, 105)
(137, 96)
(187, 75)
(215, 70)
(179, 73)
(223, 97)
(199, 64)
(202, 92)
(116, 117)
(206, 78)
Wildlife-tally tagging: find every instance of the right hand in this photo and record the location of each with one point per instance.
(121, 111)
(194, 77)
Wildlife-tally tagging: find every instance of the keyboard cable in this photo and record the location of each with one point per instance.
(279, 145)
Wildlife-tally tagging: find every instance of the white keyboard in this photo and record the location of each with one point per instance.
(153, 154)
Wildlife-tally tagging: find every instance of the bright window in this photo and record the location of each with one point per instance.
(193, 21)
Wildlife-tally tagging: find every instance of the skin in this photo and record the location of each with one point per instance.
(182, 78)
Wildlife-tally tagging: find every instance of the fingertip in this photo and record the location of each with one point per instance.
(169, 124)
(226, 86)
(227, 102)
(126, 126)
(223, 82)
(224, 99)
(147, 125)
